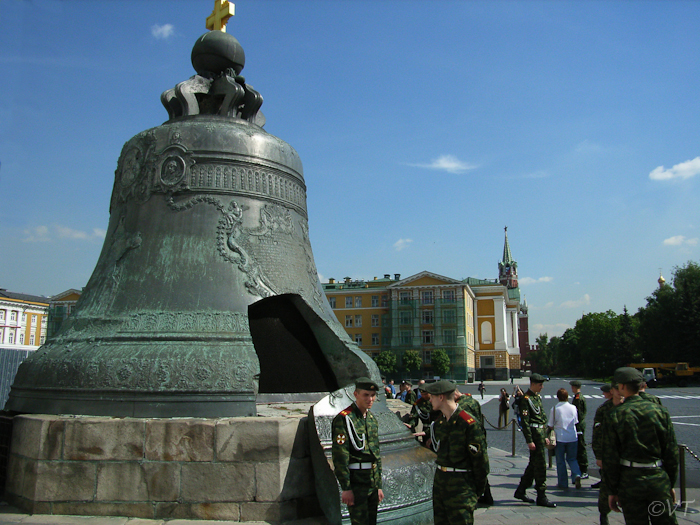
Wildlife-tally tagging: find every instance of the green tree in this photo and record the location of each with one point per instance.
(386, 361)
(596, 335)
(440, 361)
(625, 341)
(541, 359)
(412, 360)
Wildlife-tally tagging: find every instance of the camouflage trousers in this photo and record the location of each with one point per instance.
(603, 505)
(581, 454)
(454, 498)
(364, 511)
(645, 497)
(537, 467)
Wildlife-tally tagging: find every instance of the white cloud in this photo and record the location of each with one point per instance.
(684, 170)
(588, 147)
(551, 330)
(448, 163)
(678, 240)
(56, 231)
(402, 243)
(530, 280)
(162, 32)
(577, 303)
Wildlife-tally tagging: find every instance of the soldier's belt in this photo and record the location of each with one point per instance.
(535, 425)
(362, 466)
(453, 469)
(635, 464)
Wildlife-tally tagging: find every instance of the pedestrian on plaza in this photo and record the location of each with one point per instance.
(403, 391)
(640, 458)
(503, 408)
(422, 412)
(580, 403)
(419, 388)
(393, 388)
(600, 422)
(482, 389)
(462, 461)
(356, 459)
(534, 426)
(563, 418)
(410, 397)
(511, 380)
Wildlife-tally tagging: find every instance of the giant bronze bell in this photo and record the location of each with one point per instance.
(206, 292)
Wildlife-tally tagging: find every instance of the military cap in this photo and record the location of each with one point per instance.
(444, 386)
(605, 387)
(365, 383)
(406, 382)
(627, 374)
(575, 383)
(537, 378)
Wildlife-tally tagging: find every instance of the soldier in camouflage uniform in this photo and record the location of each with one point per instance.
(613, 398)
(471, 405)
(356, 459)
(640, 460)
(422, 411)
(462, 462)
(534, 422)
(580, 403)
(411, 397)
(647, 396)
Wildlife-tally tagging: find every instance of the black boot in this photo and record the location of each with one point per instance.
(520, 494)
(596, 485)
(486, 498)
(542, 500)
(604, 519)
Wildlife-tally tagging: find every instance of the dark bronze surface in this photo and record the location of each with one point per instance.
(206, 291)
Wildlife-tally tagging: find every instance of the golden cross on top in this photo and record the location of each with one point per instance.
(223, 10)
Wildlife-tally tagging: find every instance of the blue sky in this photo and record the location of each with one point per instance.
(424, 129)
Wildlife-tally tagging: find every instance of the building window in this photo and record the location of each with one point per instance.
(427, 356)
(375, 319)
(358, 320)
(24, 317)
(487, 361)
(348, 321)
(11, 337)
(385, 301)
(428, 337)
(486, 336)
(448, 296)
(13, 315)
(43, 321)
(34, 320)
(375, 301)
(427, 297)
(21, 339)
(31, 339)
(385, 320)
(405, 317)
(449, 316)
(348, 302)
(358, 339)
(358, 301)
(375, 339)
(2, 314)
(331, 301)
(427, 317)
(406, 337)
(405, 297)
(449, 337)
(42, 339)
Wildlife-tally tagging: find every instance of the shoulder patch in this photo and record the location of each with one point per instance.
(526, 397)
(468, 394)
(469, 419)
(578, 394)
(346, 411)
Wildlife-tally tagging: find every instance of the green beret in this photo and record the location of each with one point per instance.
(365, 383)
(537, 378)
(575, 383)
(444, 386)
(605, 387)
(627, 374)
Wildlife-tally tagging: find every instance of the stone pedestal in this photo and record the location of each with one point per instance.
(239, 469)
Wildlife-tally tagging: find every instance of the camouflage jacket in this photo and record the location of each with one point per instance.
(642, 432)
(460, 442)
(650, 397)
(471, 405)
(532, 413)
(411, 397)
(356, 440)
(599, 424)
(580, 403)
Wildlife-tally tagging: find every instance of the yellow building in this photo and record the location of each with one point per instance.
(23, 320)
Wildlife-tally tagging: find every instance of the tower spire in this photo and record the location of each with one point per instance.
(508, 267)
